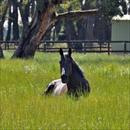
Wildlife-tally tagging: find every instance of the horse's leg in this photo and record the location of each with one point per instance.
(88, 87)
(49, 89)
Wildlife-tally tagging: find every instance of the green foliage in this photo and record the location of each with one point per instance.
(74, 4)
(40, 4)
(1, 1)
(90, 4)
(60, 7)
(23, 107)
(111, 8)
(2, 7)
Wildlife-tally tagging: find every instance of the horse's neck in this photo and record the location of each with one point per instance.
(76, 77)
(76, 71)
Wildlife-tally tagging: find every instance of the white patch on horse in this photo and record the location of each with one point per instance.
(60, 88)
(63, 71)
(65, 53)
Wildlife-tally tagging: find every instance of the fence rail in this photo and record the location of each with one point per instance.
(86, 46)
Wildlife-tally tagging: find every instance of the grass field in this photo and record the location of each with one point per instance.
(106, 108)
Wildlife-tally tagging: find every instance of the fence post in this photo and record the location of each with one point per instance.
(100, 47)
(83, 47)
(125, 47)
(8, 45)
(108, 48)
(44, 47)
(5, 45)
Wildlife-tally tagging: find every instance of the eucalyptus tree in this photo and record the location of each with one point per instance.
(43, 19)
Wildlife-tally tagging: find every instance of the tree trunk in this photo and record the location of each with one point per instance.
(2, 20)
(90, 29)
(58, 29)
(102, 28)
(8, 36)
(1, 31)
(70, 32)
(1, 53)
(15, 21)
(81, 25)
(86, 25)
(37, 30)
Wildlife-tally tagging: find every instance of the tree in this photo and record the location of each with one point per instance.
(107, 9)
(15, 20)
(2, 20)
(99, 26)
(44, 18)
(85, 25)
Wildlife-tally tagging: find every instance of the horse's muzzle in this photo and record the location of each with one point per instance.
(64, 78)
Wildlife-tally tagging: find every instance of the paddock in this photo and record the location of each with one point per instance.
(23, 81)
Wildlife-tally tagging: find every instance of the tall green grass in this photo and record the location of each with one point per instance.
(23, 108)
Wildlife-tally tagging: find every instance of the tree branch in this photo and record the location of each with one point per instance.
(71, 15)
(76, 14)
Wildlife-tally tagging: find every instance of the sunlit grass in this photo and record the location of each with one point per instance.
(23, 108)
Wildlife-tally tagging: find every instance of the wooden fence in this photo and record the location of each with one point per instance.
(82, 46)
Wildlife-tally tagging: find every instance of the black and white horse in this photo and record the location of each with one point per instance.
(72, 80)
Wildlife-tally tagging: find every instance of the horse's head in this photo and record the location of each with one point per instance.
(65, 65)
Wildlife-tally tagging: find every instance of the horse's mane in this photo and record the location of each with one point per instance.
(77, 68)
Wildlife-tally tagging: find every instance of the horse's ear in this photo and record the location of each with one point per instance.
(70, 51)
(61, 52)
